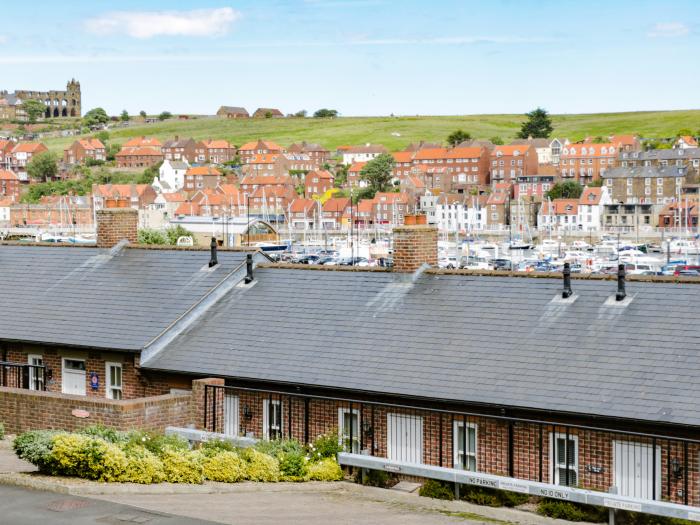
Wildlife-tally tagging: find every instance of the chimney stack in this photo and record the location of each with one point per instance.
(213, 259)
(567, 292)
(115, 224)
(621, 292)
(414, 245)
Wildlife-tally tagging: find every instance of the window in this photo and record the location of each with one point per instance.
(36, 375)
(660, 180)
(113, 378)
(349, 429)
(565, 459)
(647, 181)
(629, 182)
(609, 182)
(464, 446)
(659, 191)
(272, 419)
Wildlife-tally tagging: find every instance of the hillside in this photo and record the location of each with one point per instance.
(384, 130)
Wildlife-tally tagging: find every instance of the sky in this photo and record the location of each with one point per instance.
(361, 57)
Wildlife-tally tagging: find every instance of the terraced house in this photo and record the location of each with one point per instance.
(559, 387)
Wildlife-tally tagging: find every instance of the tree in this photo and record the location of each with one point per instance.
(326, 113)
(497, 141)
(268, 114)
(102, 136)
(538, 125)
(43, 166)
(124, 117)
(111, 150)
(164, 115)
(143, 114)
(175, 232)
(341, 175)
(377, 172)
(34, 109)
(457, 137)
(565, 190)
(300, 114)
(95, 117)
(149, 236)
(684, 132)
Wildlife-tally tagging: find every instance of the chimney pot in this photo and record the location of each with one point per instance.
(249, 268)
(621, 292)
(567, 292)
(213, 260)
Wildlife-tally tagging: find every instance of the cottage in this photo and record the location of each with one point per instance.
(232, 112)
(268, 113)
(83, 149)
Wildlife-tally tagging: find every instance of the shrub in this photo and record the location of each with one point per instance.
(325, 446)
(113, 464)
(436, 489)
(142, 466)
(226, 466)
(571, 511)
(78, 455)
(108, 434)
(157, 443)
(279, 447)
(292, 466)
(181, 466)
(512, 499)
(35, 446)
(2, 431)
(216, 446)
(325, 470)
(624, 517)
(481, 496)
(259, 466)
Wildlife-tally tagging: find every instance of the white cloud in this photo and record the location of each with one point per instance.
(3, 39)
(147, 24)
(668, 30)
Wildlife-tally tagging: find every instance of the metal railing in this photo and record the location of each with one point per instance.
(639, 465)
(23, 375)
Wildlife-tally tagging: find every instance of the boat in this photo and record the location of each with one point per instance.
(682, 247)
(281, 246)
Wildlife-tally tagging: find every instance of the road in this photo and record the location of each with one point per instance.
(20, 506)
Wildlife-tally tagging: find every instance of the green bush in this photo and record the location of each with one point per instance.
(226, 466)
(181, 466)
(108, 434)
(325, 446)
(513, 499)
(35, 446)
(325, 470)
(571, 511)
(259, 466)
(157, 443)
(78, 455)
(142, 466)
(292, 466)
(2, 431)
(623, 517)
(436, 489)
(217, 446)
(481, 496)
(279, 447)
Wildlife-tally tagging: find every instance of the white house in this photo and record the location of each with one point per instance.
(543, 148)
(685, 142)
(590, 208)
(171, 176)
(362, 153)
(559, 214)
(453, 212)
(5, 204)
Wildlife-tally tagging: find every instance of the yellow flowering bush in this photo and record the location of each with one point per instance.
(226, 466)
(324, 470)
(143, 466)
(259, 466)
(182, 466)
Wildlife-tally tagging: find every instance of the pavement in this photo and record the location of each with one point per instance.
(28, 497)
(22, 506)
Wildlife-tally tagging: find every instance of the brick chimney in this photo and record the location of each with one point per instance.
(115, 224)
(414, 245)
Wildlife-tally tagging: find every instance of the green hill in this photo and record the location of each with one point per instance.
(396, 132)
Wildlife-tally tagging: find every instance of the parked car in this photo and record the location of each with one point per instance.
(502, 264)
(687, 269)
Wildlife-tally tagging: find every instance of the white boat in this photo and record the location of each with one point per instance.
(550, 246)
(683, 247)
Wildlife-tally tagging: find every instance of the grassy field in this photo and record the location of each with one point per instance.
(396, 132)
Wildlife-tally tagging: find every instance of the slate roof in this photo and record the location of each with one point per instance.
(85, 297)
(644, 172)
(496, 340)
(661, 154)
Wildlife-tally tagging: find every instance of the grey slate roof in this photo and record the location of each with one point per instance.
(662, 154)
(644, 172)
(496, 340)
(85, 297)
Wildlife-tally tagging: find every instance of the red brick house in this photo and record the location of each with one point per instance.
(214, 151)
(84, 149)
(587, 162)
(317, 182)
(513, 161)
(260, 147)
(21, 154)
(317, 153)
(9, 184)
(140, 152)
(5, 150)
(180, 149)
(303, 213)
(268, 113)
(333, 211)
(354, 179)
(200, 177)
(390, 208)
(136, 196)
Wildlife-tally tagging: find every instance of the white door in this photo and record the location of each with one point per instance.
(73, 377)
(231, 415)
(635, 470)
(405, 438)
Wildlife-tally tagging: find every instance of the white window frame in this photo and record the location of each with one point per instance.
(63, 373)
(344, 437)
(35, 380)
(110, 389)
(457, 453)
(553, 437)
(266, 418)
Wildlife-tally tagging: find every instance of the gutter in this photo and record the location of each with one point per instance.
(198, 309)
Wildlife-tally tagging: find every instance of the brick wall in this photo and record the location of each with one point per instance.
(595, 458)
(413, 246)
(115, 224)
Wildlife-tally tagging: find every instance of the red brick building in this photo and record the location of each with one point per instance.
(83, 149)
(260, 147)
(318, 155)
(508, 163)
(200, 177)
(141, 152)
(180, 149)
(9, 184)
(586, 162)
(317, 182)
(136, 196)
(215, 151)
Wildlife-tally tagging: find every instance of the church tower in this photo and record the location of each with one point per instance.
(73, 98)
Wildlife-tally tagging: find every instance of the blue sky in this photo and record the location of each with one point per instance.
(363, 57)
